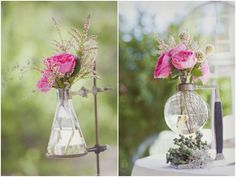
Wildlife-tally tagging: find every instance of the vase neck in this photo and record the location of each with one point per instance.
(63, 94)
(185, 80)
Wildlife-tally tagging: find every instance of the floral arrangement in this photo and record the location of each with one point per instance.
(183, 59)
(73, 59)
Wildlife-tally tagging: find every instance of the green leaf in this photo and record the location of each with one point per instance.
(77, 67)
(196, 72)
(175, 74)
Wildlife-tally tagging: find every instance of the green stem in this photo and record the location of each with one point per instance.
(60, 83)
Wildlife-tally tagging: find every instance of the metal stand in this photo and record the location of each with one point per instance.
(97, 148)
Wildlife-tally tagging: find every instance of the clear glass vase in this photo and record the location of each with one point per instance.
(66, 138)
(186, 112)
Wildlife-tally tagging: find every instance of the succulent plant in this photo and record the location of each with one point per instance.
(190, 152)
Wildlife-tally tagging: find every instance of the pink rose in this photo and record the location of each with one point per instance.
(183, 59)
(63, 63)
(43, 84)
(205, 71)
(162, 68)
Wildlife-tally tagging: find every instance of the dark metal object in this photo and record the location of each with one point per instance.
(84, 91)
(97, 148)
(218, 121)
(96, 121)
(218, 125)
(218, 129)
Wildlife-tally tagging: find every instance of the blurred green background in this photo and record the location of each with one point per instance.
(142, 99)
(27, 33)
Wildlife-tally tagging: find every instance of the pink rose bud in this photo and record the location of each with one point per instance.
(43, 84)
(162, 68)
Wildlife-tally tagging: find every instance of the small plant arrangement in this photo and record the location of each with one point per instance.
(182, 59)
(189, 153)
(185, 112)
(74, 59)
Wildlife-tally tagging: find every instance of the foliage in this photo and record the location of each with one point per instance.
(185, 153)
(142, 98)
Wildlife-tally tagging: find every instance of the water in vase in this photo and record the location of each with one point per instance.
(66, 137)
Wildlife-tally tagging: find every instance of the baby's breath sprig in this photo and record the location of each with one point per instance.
(86, 49)
(161, 45)
(185, 37)
(171, 41)
(62, 46)
(87, 25)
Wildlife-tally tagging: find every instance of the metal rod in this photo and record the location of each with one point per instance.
(213, 141)
(96, 120)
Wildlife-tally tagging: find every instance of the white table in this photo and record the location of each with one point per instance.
(155, 165)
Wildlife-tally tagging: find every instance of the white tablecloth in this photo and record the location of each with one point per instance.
(155, 165)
